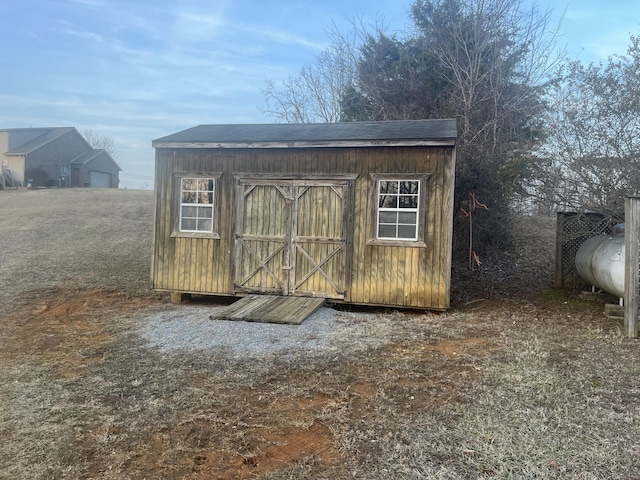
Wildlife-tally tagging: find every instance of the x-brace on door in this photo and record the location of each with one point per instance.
(292, 236)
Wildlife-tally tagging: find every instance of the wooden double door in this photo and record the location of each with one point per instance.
(292, 236)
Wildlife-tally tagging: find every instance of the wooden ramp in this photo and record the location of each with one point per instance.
(270, 309)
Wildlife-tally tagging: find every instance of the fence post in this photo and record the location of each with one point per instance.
(559, 270)
(631, 265)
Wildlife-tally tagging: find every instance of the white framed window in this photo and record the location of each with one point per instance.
(399, 212)
(398, 209)
(197, 210)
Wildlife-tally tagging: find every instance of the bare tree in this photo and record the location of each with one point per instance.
(495, 57)
(100, 141)
(495, 54)
(314, 95)
(483, 62)
(591, 159)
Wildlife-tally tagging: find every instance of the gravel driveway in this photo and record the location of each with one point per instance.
(188, 328)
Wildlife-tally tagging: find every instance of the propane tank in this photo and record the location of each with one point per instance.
(600, 262)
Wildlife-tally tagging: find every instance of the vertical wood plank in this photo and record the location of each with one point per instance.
(440, 233)
(222, 274)
(631, 264)
(448, 209)
(158, 228)
(177, 264)
(166, 214)
(357, 250)
(206, 268)
(237, 251)
(201, 265)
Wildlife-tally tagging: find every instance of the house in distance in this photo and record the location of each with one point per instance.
(55, 156)
(358, 212)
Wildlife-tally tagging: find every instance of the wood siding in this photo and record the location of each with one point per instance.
(378, 274)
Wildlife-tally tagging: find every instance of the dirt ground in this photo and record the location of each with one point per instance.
(68, 332)
(516, 381)
(62, 324)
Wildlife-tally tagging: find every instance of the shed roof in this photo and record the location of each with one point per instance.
(287, 135)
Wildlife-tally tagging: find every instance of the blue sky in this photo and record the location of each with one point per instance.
(138, 70)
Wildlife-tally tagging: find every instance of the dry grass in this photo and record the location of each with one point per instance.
(533, 384)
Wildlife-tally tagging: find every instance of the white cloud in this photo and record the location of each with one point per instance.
(195, 28)
(91, 3)
(283, 37)
(70, 29)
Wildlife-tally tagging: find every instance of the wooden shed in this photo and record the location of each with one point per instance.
(357, 212)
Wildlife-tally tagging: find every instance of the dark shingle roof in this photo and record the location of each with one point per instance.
(91, 154)
(309, 134)
(87, 156)
(44, 136)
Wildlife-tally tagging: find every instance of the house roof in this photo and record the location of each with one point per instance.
(89, 155)
(23, 141)
(287, 135)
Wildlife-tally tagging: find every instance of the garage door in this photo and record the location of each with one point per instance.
(100, 179)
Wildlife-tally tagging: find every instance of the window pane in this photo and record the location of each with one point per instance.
(407, 231)
(204, 225)
(387, 231)
(388, 217)
(388, 186)
(407, 201)
(189, 197)
(189, 211)
(388, 201)
(204, 212)
(407, 218)
(188, 184)
(188, 224)
(408, 187)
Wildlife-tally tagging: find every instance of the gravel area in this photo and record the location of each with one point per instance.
(188, 328)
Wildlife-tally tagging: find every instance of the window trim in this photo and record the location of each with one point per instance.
(215, 176)
(422, 209)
